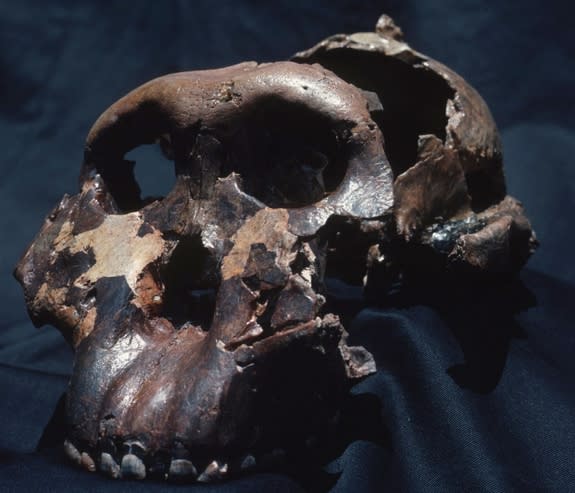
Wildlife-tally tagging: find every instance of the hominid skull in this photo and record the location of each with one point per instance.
(200, 340)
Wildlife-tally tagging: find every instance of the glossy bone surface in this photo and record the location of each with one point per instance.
(196, 317)
(202, 346)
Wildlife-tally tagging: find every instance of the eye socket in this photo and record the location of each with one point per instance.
(413, 98)
(287, 155)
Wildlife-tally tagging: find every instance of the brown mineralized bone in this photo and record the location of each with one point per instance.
(202, 343)
(444, 150)
(196, 319)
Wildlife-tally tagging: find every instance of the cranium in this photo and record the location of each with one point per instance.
(451, 212)
(196, 319)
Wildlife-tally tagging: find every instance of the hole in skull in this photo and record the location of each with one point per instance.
(153, 172)
(190, 293)
(413, 99)
(347, 248)
(268, 299)
(287, 155)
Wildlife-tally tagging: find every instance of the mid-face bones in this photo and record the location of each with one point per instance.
(200, 341)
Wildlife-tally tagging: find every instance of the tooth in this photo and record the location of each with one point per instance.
(248, 462)
(182, 469)
(87, 462)
(72, 452)
(109, 466)
(133, 467)
(213, 472)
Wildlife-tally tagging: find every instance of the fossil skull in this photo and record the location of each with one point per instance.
(196, 319)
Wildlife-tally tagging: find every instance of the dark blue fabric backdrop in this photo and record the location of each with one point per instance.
(475, 388)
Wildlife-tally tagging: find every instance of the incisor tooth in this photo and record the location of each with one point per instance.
(72, 452)
(87, 462)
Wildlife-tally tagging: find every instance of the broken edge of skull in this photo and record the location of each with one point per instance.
(451, 212)
(203, 348)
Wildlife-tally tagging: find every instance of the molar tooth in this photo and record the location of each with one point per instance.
(109, 466)
(72, 452)
(133, 467)
(248, 462)
(213, 472)
(87, 462)
(182, 469)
